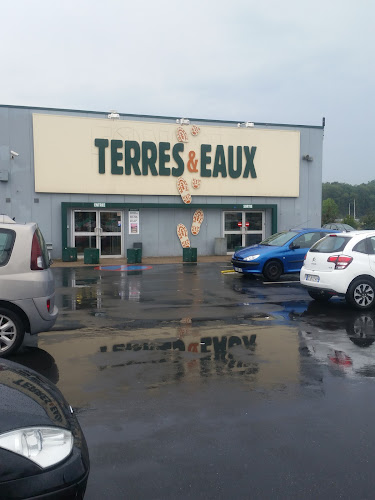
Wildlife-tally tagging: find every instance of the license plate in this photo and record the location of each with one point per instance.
(312, 277)
(238, 269)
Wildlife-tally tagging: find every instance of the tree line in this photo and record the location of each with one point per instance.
(355, 205)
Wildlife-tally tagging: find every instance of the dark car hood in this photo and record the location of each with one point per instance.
(28, 399)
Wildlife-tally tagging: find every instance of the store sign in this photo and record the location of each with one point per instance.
(165, 159)
(100, 156)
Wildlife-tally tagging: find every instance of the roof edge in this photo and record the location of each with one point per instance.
(159, 117)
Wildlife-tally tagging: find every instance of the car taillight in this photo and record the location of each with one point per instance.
(37, 261)
(48, 305)
(340, 261)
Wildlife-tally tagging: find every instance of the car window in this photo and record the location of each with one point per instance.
(7, 238)
(331, 243)
(371, 242)
(307, 240)
(363, 248)
(279, 239)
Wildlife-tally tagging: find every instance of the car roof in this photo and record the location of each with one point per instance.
(317, 229)
(359, 232)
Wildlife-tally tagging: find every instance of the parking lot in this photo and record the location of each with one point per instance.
(191, 381)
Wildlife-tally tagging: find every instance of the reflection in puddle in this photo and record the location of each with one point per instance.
(106, 363)
(90, 293)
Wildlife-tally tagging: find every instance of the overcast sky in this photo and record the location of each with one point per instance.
(289, 61)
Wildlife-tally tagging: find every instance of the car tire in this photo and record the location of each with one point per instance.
(272, 270)
(361, 294)
(319, 296)
(12, 332)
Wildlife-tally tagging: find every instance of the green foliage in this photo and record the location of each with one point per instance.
(351, 221)
(329, 211)
(346, 196)
(368, 221)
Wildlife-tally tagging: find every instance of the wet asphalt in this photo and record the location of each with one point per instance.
(191, 381)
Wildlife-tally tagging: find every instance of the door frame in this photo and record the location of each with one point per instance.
(98, 232)
(243, 231)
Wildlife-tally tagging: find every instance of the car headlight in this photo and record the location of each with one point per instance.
(251, 257)
(46, 446)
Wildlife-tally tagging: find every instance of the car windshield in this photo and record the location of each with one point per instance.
(331, 243)
(279, 239)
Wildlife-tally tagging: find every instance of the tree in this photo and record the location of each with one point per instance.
(368, 221)
(330, 211)
(351, 221)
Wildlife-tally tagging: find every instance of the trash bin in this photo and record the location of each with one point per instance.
(131, 255)
(138, 255)
(138, 252)
(189, 255)
(91, 256)
(69, 255)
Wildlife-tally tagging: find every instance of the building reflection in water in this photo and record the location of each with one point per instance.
(91, 293)
(256, 355)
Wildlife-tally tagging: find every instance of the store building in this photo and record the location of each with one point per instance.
(109, 180)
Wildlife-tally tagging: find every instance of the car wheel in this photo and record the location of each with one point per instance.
(361, 294)
(12, 332)
(272, 270)
(319, 295)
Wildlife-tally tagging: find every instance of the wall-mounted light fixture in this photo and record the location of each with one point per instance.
(245, 124)
(307, 158)
(183, 121)
(113, 115)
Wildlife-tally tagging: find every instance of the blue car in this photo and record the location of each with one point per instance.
(279, 254)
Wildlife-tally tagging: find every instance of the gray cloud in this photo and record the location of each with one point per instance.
(271, 61)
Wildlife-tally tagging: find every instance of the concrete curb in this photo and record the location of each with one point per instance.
(145, 261)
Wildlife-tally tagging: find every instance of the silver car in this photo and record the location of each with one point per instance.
(27, 287)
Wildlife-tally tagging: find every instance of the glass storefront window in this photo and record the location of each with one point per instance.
(110, 245)
(254, 220)
(110, 222)
(243, 229)
(84, 222)
(83, 242)
(233, 241)
(252, 239)
(231, 221)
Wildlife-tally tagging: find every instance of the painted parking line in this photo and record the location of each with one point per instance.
(123, 267)
(228, 271)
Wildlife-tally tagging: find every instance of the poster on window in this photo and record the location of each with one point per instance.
(133, 222)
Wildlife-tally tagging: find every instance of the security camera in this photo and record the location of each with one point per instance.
(13, 154)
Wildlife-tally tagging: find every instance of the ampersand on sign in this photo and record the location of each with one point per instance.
(192, 163)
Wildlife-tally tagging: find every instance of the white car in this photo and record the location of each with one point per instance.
(342, 264)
